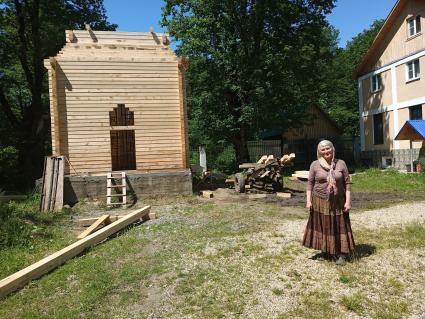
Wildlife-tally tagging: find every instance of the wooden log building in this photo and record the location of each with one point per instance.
(117, 103)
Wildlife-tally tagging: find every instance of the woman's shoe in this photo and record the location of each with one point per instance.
(319, 257)
(341, 261)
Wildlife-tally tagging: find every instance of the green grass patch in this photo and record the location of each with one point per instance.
(410, 236)
(355, 302)
(375, 180)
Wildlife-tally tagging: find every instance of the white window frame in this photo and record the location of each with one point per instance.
(376, 86)
(412, 26)
(416, 70)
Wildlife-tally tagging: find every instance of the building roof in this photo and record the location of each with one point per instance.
(413, 130)
(380, 37)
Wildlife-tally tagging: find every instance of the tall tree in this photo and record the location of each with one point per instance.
(339, 93)
(30, 31)
(253, 63)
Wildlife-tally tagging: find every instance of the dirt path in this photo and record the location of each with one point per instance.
(370, 279)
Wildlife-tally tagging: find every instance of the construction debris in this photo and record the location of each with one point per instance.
(34, 271)
(84, 222)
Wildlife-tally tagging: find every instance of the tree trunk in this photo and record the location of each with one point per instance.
(240, 144)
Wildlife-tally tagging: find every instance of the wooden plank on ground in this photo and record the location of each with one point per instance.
(84, 222)
(284, 195)
(34, 271)
(101, 220)
(257, 196)
(207, 194)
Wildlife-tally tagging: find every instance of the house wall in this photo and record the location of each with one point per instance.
(134, 69)
(396, 43)
(372, 100)
(390, 59)
(413, 89)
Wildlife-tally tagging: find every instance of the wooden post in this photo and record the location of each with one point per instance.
(182, 67)
(203, 158)
(56, 147)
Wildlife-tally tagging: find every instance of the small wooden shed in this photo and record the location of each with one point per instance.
(117, 102)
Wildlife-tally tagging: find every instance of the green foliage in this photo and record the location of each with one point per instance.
(31, 31)
(339, 95)
(9, 167)
(21, 224)
(253, 65)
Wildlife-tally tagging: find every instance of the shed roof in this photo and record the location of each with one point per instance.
(412, 130)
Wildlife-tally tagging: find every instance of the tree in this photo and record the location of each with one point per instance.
(339, 94)
(30, 31)
(254, 64)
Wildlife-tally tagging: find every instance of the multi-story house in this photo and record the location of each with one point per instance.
(391, 85)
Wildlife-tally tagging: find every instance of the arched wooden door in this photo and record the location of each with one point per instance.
(123, 144)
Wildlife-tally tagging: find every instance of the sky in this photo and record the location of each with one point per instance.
(350, 17)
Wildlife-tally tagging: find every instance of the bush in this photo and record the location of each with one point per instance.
(22, 223)
(9, 167)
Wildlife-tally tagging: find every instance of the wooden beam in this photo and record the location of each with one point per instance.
(101, 220)
(34, 271)
(84, 222)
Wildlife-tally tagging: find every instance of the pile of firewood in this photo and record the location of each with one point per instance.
(265, 175)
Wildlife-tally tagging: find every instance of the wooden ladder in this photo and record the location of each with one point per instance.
(116, 180)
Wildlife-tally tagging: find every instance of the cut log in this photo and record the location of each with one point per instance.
(262, 159)
(34, 271)
(101, 220)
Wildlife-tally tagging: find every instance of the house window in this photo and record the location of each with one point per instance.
(413, 70)
(415, 112)
(376, 83)
(414, 25)
(378, 129)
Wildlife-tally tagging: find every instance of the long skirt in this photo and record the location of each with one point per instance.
(328, 227)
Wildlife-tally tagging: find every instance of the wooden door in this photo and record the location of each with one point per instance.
(123, 150)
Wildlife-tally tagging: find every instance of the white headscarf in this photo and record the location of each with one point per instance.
(331, 187)
(322, 161)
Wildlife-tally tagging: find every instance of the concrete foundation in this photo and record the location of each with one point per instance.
(138, 184)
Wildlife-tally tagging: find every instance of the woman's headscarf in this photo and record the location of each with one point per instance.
(331, 187)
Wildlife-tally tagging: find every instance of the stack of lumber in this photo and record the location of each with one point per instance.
(301, 175)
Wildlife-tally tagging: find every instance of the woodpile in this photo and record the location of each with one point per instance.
(265, 175)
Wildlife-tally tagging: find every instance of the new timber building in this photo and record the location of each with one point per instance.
(117, 103)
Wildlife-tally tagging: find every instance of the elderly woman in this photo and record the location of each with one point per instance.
(329, 201)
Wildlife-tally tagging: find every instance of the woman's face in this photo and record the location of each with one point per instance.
(326, 152)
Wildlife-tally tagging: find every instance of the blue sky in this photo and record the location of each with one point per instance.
(350, 16)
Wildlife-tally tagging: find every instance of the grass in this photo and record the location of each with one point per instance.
(207, 260)
(392, 181)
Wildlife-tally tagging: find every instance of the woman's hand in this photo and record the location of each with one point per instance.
(347, 207)
(309, 205)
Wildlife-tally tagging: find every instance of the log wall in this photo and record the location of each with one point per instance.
(91, 77)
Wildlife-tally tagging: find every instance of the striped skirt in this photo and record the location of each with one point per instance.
(328, 228)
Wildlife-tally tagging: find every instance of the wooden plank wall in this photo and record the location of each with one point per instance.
(97, 76)
(320, 127)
